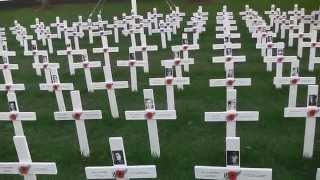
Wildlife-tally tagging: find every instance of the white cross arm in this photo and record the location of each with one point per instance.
(46, 65)
(73, 52)
(294, 80)
(222, 59)
(36, 52)
(239, 116)
(226, 45)
(19, 116)
(9, 66)
(298, 112)
(163, 81)
(197, 29)
(107, 49)
(127, 63)
(87, 64)
(56, 86)
(212, 172)
(135, 172)
(143, 48)
(170, 62)
(230, 21)
(158, 114)
(231, 35)
(35, 168)
(272, 45)
(185, 47)
(109, 85)
(222, 28)
(8, 53)
(230, 82)
(280, 58)
(12, 87)
(85, 115)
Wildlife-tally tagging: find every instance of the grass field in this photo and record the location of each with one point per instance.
(272, 142)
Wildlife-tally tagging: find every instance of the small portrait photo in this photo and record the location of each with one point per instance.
(228, 52)
(230, 73)
(313, 100)
(233, 158)
(68, 45)
(12, 106)
(184, 41)
(131, 56)
(117, 157)
(226, 39)
(83, 58)
(54, 78)
(44, 59)
(280, 51)
(169, 72)
(295, 71)
(269, 39)
(34, 47)
(5, 60)
(231, 104)
(148, 103)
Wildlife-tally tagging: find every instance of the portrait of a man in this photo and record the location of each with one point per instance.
(12, 106)
(233, 158)
(313, 100)
(117, 157)
(148, 103)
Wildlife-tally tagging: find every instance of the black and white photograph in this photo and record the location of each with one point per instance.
(230, 73)
(149, 104)
(233, 158)
(54, 78)
(169, 72)
(12, 106)
(295, 71)
(117, 157)
(231, 104)
(131, 56)
(228, 52)
(313, 100)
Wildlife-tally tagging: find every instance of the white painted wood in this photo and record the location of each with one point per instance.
(79, 116)
(151, 115)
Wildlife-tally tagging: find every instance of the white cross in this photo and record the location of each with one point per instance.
(59, 25)
(231, 171)
(293, 81)
(132, 31)
(69, 52)
(279, 60)
(154, 15)
(36, 54)
(86, 65)
(57, 87)
(15, 116)
(151, 115)
(100, 21)
(90, 27)
(177, 62)
(79, 116)
(120, 170)
(76, 35)
(132, 63)
(106, 50)
(196, 30)
(301, 35)
(185, 48)
(144, 48)
(6, 71)
(292, 27)
(313, 45)
(228, 57)
(163, 30)
(230, 81)
(101, 33)
(110, 86)
(11, 87)
(48, 36)
(25, 167)
(269, 46)
(115, 26)
(311, 112)
(169, 81)
(25, 39)
(231, 115)
(47, 67)
(5, 53)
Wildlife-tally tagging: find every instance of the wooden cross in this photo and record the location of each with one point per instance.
(293, 81)
(86, 65)
(120, 170)
(132, 63)
(196, 30)
(169, 81)
(292, 26)
(301, 35)
(144, 48)
(154, 15)
(110, 86)
(231, 115)
(313, 45)
(151, 115)
(59, 25)
(232, 171)
(69, 52)
(185, 48)
(46, 66)
(79, 116)
(279, 60)
(132, 31)
(5, 53)
(75, 35)
(116, 26)
(228, 57)
(268, 48)
(106, 50)
(6, 71)
(36, 54)
(25, 167)
(101, 33)
(230, 81)
(177, 62)
(311, 112)
(48, 36)
(163, 30)
(57, 87)
(15, 116)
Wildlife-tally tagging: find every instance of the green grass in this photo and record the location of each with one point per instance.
(273, 142)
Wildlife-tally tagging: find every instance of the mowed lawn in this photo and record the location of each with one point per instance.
(272, 142)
